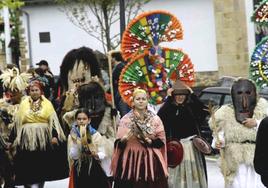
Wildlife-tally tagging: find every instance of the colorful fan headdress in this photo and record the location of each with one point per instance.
(258, 69)
(146, 73)
(13, 80)
(150, 66)
(148, 30)
(260, 15)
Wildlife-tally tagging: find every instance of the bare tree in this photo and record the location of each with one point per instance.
(106, 13)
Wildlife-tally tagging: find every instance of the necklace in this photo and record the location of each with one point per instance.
(177, 112)
(35, 105)
(144, 124)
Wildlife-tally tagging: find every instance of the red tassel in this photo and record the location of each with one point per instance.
(71, 178)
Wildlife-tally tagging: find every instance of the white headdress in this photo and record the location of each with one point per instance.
(13, 80)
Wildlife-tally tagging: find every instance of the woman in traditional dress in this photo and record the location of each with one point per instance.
(182, 115)
(139, 159)
(85, 149)
(37, 131)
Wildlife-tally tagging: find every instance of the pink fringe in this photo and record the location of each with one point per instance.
(133, 157)
(136, 159)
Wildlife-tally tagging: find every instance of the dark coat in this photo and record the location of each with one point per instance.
(261, 152)
(181, 121)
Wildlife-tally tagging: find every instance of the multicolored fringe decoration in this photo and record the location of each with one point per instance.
(260, 15)
(150, 66)
(259, 64)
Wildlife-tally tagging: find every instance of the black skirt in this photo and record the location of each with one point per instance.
(38, 166)
(84, 177)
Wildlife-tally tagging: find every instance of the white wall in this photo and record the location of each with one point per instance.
(197, 19)
(196, 16)
(64, 35)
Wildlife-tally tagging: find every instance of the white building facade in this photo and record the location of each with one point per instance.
(197, 18)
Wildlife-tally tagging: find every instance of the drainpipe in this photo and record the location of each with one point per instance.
(29, 36)
(122, 17)
(7, 35)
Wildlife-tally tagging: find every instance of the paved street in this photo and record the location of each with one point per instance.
(215, 178)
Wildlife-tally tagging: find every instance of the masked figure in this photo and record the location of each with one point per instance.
(92, 96)
(234, 132)
(77, 68)
(244, 99)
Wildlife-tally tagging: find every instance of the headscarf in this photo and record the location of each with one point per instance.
(36, 83)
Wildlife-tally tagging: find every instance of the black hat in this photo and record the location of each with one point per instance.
(42, 62)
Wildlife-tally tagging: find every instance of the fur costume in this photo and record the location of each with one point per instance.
(239, 140)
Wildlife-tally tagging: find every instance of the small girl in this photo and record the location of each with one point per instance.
(85, 153)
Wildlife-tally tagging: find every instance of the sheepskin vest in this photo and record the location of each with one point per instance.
(239, 140)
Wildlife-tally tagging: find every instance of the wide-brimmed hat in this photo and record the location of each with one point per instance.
(174, 152)
(179, 88)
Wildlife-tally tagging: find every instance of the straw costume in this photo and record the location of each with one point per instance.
(14, 85)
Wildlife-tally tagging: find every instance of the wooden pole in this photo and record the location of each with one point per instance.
(122, 17)
(216, 133)
(111, 84)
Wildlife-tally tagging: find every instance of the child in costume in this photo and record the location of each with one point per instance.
(85, 153)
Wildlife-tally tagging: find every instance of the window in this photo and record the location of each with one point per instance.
(44, 37)
(227, 99)
(211, 97)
